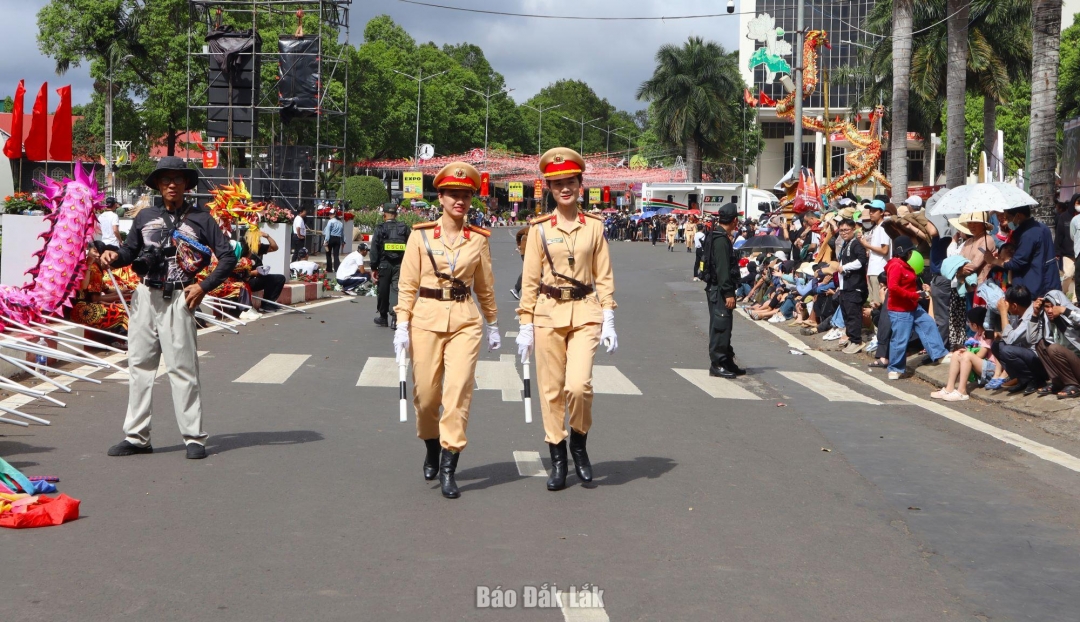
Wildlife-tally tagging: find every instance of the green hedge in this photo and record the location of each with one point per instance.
(366, 191)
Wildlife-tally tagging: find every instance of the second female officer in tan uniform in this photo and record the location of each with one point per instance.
(691, 229)
(672, 231)
(446, 262)
(567, 293)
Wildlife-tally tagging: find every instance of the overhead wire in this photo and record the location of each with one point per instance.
(578, 17)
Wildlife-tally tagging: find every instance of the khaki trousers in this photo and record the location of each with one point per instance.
(444, 373)
(564, 365)
(162, 327)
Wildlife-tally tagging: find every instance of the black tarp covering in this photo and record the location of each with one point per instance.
(299, 84)
(232, 49)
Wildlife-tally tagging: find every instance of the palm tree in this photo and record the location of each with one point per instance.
(999, 54)
(956, 163)
(901, 87)
(1045, 49)
(695, 90)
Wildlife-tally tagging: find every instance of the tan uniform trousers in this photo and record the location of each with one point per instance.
(444, 370)
(564, 367)
(160, 327)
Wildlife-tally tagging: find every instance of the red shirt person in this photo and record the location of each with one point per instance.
(905, 313)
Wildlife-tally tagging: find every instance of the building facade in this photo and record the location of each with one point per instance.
(842, 20)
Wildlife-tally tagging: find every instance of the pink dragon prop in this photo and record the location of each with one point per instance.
(61, 264)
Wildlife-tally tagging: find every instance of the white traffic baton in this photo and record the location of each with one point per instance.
(527, 387)
(403, 404)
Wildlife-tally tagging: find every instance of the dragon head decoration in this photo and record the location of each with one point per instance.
(231, 207)
(61, 263)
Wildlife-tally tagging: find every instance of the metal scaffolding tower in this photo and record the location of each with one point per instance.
(293, 162)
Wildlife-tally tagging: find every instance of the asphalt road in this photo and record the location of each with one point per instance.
(312, 504)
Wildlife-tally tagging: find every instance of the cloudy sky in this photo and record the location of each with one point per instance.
(613, 57)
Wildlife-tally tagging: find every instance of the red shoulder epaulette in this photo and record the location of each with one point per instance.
(482, 231)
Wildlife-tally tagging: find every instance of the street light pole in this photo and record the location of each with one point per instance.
(419, 82)
(540, 131)
(627, 137)
(487, 114)
(609, 132)
(582, 123)
(109, 124)
(800, 26)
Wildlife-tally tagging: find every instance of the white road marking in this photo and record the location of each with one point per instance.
(273, 369)
(716, 387)
(161, 369)
(580, 614)
(511, 333)
(829, 389)
(529, 464)
(501, 375)
(15, 401)
(1050, 454)
(379, 372)
(609, 380)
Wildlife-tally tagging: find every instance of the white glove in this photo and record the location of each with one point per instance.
(401, 341)
(525, 342)
(494, 339)
(607, 332)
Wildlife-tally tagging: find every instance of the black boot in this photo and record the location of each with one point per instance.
(557, 481)
(431, 460)
(381, 321)
(581, 457)
(447, 466)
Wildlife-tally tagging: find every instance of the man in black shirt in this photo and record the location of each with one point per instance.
(853, 287)
(387, 251)
(720, 293)
(169, 244)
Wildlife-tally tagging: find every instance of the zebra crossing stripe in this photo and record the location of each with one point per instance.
(273, 369)
(379, 372)
(609, 380)
(529, 464)
(716, 387)
(829, 389)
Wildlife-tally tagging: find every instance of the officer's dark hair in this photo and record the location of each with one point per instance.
(580, 178)
(1018, 295)
(846, 222)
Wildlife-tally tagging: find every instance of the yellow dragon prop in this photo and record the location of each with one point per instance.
(866, 155)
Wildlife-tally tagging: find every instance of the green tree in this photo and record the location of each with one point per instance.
(75, 31)
(696, 88)
(367, 192)
(577, 102)
(1069, 72)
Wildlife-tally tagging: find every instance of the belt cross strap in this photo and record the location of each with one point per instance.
(457, 283)
(551, 263)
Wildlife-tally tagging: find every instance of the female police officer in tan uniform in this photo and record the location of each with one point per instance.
(438, 318)
(567, 293)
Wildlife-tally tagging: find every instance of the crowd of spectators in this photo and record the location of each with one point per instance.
(985, 296)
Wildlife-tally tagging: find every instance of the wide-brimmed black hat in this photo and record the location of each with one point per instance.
(173, 164)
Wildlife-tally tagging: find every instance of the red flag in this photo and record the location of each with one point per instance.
(13, 146)
(36, 145)
(749, 99)
(60, 145)
(766, 101)
(485, 184)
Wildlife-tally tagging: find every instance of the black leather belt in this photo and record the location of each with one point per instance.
(455, 293)
(566, 292)
(164, 284)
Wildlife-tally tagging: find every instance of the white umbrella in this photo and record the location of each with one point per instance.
(990, 197)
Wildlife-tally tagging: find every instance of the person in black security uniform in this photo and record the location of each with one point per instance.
(387, 250)
(169, 245)
(721, 276)
(853, 288)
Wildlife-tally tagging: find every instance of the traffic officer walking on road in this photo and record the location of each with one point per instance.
(445, 263)
(671, 231)
(691, 229)
(567, 292)
(169, 244)
(721, 276)
(387, 249)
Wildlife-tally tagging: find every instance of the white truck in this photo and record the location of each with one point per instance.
(752, 202)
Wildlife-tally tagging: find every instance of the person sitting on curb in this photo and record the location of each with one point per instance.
(974, 356)
(1055, 331)
(1014, 349)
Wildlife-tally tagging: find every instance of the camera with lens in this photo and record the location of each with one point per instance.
(150, 259)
